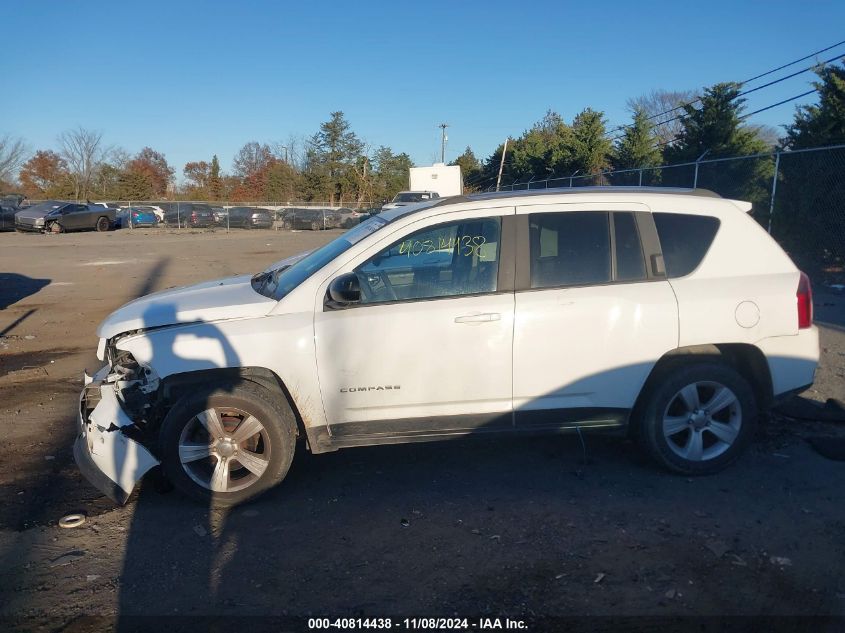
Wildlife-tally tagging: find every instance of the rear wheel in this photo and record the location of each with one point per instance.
(103, 224)
(698, 419)
(226, 445)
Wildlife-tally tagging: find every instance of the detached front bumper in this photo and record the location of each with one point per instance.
(110, 460)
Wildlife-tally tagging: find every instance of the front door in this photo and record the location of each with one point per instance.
(429, 348)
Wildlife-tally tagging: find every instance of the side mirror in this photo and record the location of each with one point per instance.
(345, 290)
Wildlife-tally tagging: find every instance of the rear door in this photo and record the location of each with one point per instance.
(593, 313)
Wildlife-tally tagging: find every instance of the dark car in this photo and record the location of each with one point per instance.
(57, 217)
(250, 218)
(9, 205)
(313, 219)
(187, 214)
(129, 217)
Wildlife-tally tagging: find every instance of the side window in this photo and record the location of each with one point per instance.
(684, 240)
(629, 251)
(453, 259)
(569, 249)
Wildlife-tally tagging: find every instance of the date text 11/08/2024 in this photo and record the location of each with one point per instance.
(459, 624)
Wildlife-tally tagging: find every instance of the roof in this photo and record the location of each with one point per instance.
(492, 195)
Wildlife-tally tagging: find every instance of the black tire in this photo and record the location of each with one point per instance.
(272, 410)
(103, 224)
(662, 398)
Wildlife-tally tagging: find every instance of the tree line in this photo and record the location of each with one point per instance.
(337, 166)
(333, 165)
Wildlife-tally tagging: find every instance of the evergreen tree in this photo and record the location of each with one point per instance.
(215, 181)
(591, 149)
(470, 166)
(809, 221)
(637, 149)
(715, 126)
(332, 154)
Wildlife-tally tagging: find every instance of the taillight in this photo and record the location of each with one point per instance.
(805, 302)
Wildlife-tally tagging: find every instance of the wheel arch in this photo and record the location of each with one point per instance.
(745, 358)
(175, 385)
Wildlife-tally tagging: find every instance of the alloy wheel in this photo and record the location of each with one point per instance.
(702, 421)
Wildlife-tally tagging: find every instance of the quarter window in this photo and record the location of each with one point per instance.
(684, 240)
(453, 259)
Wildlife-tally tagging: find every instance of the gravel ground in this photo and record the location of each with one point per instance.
(521, 528)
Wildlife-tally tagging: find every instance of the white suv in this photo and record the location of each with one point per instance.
(667, 313)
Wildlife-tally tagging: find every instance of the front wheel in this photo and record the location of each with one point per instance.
(226, 445)
(698, 419)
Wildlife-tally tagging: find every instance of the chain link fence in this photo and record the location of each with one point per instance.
(798, 197)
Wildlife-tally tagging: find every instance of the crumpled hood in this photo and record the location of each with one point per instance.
(230, 298)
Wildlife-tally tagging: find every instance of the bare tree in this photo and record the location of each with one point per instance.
(663, 107)
(13, 153)
(82, 151)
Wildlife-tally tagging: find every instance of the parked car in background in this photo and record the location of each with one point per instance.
(351, 217)
(128, 217)
(9, 206)
(410, 197)
(250, 218)
(57, 217)
(187, 215)
(666, 314)
(220, 214)
(312, 219)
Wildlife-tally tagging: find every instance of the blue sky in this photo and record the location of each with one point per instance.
(192, 79)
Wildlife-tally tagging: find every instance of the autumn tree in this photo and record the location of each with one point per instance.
(150, 166)
(251, 159)
(198, 174)
(44, 175)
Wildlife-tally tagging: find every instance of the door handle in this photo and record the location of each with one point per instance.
(486, 317)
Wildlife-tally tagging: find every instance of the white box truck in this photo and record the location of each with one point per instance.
(443, 179)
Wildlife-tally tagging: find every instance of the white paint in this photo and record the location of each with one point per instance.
(108, 262)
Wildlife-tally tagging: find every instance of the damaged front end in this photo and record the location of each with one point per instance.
(112, 449)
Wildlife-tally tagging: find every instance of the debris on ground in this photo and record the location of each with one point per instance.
(599, 578)
(200, 530)
(719, 548)
(70, 521)
(781, 561)
(67, 558)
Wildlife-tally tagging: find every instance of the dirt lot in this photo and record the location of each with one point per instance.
(519, 528)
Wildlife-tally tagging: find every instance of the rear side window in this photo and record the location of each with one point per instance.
(684, 240)
(569, 249)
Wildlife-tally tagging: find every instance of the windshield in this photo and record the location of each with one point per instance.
(411, 197)
(45, 207)
(278, 283)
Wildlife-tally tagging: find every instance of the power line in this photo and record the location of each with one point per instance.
(745, 116)
(742, 83)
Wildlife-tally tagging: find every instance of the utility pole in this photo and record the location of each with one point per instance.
(502, 163)
(443, 139)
